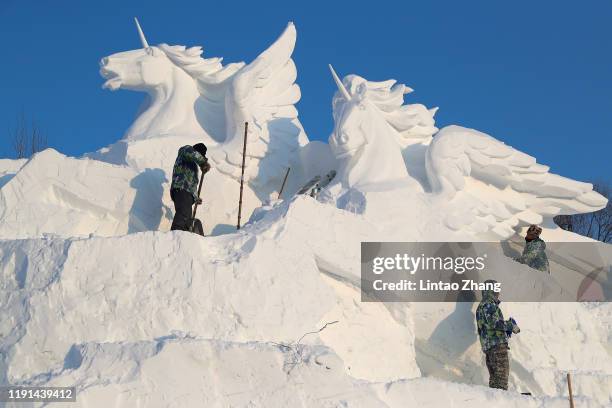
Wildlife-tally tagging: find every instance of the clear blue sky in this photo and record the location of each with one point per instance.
(535, 74)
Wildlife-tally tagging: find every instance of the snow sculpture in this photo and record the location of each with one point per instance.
(502, 187)
(188, 95)
(366, 116)
(164, 72)
(262, 93)
(479, 185)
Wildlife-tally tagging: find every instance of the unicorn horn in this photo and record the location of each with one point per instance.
(341, 87)
(145, 44)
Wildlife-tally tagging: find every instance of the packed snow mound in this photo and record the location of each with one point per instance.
(59, 195)
(204, 297)
(86, 311)
(123, 189)
(185, 372)
(8, 168)
(56, 194)
(181, 371)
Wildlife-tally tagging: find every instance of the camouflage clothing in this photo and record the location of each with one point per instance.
(534, 255)
(185, 172)
(492, 328)
(499, 366)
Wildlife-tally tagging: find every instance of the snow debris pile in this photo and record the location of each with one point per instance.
(96, 293)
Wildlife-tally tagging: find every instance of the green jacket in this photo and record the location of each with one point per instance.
(534, 255)
(185, 171)
(492, 328)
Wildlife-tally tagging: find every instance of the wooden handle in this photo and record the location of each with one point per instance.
(284, 181)
(195, 208)
(569, 386)
(246, 127)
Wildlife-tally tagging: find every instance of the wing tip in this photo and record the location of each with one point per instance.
(593, 199)
(290, 29)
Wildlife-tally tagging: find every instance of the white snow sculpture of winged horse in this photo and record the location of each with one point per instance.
(188, 95)
(365, 115)
(481, 185)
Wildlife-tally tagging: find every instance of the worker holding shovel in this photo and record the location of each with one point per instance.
(184, 184)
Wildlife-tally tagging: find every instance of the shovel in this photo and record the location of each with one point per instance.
(196, 225)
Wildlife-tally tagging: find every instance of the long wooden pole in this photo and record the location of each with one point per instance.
(569, 386)
(246, 127)
(284, 181)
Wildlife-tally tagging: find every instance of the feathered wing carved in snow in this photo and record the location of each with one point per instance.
(493, 187)
(487, 188)
(263, 94)
(198, 97)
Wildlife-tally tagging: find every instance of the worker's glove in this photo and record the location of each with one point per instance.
(205, 167)
(515, 328)
(198, 201)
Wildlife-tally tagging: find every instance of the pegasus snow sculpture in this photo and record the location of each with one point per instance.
(482, 186)
(188, 95)
(370, 125)
(501, 187)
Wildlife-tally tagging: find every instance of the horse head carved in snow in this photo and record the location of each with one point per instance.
(144, 69)
(202, 99)
(369, 122)
(169, 75)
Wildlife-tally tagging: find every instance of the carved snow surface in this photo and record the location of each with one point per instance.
(500, 187)
(200, 98)
(368, 153)
(478, 185)
(65, 196)
(218, 319)
(263, 94)
(96, 293)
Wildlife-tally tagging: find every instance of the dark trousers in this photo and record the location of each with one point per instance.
(498, 366)
(183, 201)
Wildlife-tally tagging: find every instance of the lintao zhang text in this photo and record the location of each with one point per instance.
(432, 286)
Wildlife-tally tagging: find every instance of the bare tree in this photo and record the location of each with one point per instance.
(38, 140)
(596, 225)
(565, 221)
(20, 137)
(27, 140)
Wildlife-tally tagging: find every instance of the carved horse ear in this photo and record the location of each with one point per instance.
(362, 90)
(143, 40)
(340, 85)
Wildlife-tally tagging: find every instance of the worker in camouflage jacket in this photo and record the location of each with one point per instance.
(534, 253)
(184, 188)
(494, 333)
